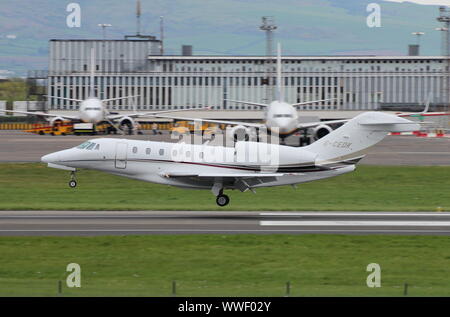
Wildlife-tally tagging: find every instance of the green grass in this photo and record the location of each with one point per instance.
(226, 265)
(34, 186)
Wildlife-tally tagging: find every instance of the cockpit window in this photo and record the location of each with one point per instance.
(92, 108)
(89, 146)
(283, 115)
(83, 145)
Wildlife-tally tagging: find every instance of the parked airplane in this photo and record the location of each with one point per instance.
(281, 118)
(246, 166)
(94, 110)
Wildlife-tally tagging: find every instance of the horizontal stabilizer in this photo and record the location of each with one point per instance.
(393, 126)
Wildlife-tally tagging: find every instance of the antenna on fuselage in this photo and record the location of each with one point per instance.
(279, 95)
(92, 75)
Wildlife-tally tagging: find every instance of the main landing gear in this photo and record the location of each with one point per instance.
(72, 182)
(221, 199)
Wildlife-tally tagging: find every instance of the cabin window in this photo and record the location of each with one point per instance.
(188, 154)
(161, 151)
(148, 151)
(135, 149)
(200, 155)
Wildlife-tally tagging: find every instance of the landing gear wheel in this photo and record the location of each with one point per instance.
(72, 182)
(222, 200)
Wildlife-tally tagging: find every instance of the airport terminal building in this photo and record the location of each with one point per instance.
(136, 67)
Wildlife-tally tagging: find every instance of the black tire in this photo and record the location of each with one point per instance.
(72, 184)
(222, 200)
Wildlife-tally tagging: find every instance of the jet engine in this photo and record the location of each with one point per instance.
(127, 125)
(240, 133)
(56, 120)
(320, 131)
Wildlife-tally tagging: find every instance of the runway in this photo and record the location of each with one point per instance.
(95, 223)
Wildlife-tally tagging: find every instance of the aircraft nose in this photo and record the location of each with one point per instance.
(284, 125)
(50, 158)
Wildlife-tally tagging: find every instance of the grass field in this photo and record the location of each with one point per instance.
(34, 186)
(226, 265)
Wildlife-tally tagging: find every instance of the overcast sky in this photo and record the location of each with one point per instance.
(429, 2)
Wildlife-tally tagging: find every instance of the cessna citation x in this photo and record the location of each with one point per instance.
(94, 110)
(246, 166)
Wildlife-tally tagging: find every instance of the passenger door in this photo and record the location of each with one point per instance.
(121, 155)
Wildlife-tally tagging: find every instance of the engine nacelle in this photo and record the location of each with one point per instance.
(127, 124)
(320, 131)
(240, 133)
(56, 120)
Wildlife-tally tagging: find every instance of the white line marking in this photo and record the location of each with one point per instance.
(358, 223)
(89, 216)
(364, 214)
(226, 230)
(415, 153)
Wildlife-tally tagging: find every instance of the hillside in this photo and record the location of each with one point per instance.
(217, 26)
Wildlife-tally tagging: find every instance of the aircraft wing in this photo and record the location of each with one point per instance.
(151, 114)
(64, 98)
(222, 175)
(248, 103)
(240, 181)
(427, 114)
(43, 114)
(247, 124)
(312, 102)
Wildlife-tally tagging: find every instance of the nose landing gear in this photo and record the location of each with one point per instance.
(72, 182)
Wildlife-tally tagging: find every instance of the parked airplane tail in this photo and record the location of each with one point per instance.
(92, 75)
(279, 94)
(349, 142)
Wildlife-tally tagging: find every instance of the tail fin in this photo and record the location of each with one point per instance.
(92, 75)
(427, 102)
(349, 142)
(279, 94)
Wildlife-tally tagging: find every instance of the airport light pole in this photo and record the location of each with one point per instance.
(444, 18)
(418, 35)
(268, 26)
(104, 26)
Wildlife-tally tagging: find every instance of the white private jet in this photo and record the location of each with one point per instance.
(246, 166)
(94, 110)
(280, 118)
